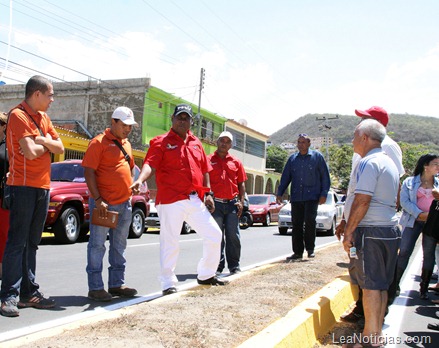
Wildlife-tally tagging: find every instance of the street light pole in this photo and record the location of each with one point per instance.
(325, 129)
(202, 74)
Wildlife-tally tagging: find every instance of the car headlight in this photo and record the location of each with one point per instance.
(285, 212)
(324, 213)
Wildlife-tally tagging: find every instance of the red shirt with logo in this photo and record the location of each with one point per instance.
(227, 173)
(22, 171)
(180, 166)
(112, 170)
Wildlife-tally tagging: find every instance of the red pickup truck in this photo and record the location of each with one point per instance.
(68, 216)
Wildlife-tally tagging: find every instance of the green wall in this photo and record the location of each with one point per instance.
(158, 108)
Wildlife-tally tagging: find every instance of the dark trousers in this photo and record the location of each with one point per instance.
(226, 216)
(304, 238)
(27, 216)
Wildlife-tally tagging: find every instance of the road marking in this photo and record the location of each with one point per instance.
(157, 243)
(397, 309)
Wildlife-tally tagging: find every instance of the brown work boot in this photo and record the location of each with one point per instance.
(99, 295)
(123, 291)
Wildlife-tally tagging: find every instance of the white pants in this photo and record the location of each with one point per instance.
(195, 213)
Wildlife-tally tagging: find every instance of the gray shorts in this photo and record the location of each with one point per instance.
(377, 251)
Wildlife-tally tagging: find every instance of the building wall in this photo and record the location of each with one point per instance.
(89, 102)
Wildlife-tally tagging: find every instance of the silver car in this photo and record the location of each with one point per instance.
(328, 217)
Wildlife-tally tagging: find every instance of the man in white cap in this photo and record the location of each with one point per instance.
(108, 168)
(227, 180)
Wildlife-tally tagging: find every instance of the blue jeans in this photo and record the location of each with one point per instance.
(118, 243)
(28, 213)
(226, 216)
(408, 240)
(428, 251)
(304, 212)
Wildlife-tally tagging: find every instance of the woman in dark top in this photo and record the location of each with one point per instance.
(4, 214)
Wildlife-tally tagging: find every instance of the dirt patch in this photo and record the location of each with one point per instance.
(212, 316)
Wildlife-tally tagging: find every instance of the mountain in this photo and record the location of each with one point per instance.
(402, 127)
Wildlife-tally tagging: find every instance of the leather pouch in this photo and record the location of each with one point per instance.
(110, 221)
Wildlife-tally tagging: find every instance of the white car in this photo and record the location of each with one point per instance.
(328, 217)
(153, 219)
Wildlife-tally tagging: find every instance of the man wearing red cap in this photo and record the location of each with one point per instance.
(392, 149)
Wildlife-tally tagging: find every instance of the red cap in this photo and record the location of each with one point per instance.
(376, 113)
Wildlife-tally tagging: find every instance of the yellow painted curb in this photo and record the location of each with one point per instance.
(309, 320)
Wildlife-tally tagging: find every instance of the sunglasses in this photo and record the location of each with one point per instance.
(303, 135)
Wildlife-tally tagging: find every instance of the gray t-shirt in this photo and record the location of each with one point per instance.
(378, 177)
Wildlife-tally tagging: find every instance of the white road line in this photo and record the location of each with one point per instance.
(397, 309)
(157, 243)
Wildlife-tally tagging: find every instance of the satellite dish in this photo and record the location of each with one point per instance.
(243, 122)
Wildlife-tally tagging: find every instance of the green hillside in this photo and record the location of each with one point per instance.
(402, 128)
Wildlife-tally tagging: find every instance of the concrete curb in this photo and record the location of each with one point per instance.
(309, 320)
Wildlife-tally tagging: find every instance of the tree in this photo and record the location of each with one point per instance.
(276, 158)
(340, 162)
(411, 154)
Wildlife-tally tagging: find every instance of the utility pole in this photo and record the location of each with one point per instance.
(325, 128)
(202, 75)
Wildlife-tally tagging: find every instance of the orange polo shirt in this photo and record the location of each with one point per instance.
(22, 171)
(113, 172)
(227, 173)
(180, 166)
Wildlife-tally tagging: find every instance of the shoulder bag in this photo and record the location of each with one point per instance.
(431, 227)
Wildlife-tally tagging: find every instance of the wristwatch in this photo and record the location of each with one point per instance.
(210, 193)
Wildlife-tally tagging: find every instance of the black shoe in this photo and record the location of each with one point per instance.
(169, 291)
(352, 317)
(235, 271)
(433, 327)
(213, 281)
(311, 254)
(294, 257)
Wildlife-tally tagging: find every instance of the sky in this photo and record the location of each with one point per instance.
(266, 62)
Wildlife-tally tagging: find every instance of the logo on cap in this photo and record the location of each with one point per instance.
(183, 108)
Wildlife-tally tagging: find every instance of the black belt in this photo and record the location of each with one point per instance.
(224, 200)
(192, 193)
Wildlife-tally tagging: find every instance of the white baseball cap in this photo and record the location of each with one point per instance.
(226, 134)
(124, 114)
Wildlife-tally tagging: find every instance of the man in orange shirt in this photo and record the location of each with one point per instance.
(183, 194)
(227, 180)
(31, 139)
(108, 164)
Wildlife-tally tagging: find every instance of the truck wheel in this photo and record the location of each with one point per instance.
(67, 227)
(137, 223)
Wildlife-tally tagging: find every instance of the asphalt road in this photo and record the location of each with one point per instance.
(62, 277)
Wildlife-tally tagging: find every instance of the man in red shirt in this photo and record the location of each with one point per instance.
(31, 138)
(180, 165)
(108, 164)
(227, 180)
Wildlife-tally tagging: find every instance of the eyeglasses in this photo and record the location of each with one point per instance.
(303, 135)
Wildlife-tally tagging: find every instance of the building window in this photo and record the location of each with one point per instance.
(255, 147)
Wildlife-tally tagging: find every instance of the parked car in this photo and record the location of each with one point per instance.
(152, 220)
(68, 216)
(264, 208)
(328, 217)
